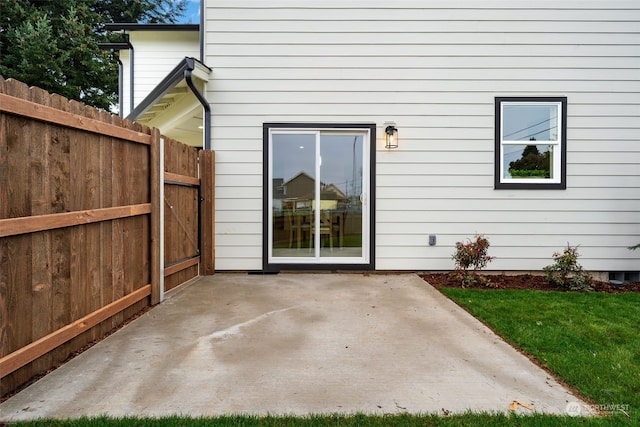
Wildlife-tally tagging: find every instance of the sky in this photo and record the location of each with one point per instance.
(192, 15)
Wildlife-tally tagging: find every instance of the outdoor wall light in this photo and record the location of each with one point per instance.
(391, 135)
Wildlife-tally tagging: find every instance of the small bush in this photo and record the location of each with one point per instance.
(528, 173)
(472, 254)
(566, 272)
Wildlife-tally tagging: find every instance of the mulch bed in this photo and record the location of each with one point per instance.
(520, 281)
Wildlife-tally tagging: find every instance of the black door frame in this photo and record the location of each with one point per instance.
(275, 267)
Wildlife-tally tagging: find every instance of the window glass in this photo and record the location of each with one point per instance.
(530, 142)
(528, 161)
(530, 123)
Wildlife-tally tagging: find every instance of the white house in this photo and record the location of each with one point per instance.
(518, 120)
(160, 82)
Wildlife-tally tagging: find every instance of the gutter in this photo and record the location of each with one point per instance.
(130, 26)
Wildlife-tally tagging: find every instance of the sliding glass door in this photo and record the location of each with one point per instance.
(318, 196)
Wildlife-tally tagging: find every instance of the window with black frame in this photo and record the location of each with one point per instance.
(530, 142)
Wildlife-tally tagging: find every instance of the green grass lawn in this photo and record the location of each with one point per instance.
(357, 420)
(590, 340)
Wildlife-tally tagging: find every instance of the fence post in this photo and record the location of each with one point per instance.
(162, 219)
(155, 216)
(207, 212)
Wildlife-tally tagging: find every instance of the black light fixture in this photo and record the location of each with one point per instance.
(391, 135)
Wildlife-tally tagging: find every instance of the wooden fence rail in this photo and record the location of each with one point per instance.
(79, 227)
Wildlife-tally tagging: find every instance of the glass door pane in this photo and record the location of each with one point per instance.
(293, 194)
(341, 195)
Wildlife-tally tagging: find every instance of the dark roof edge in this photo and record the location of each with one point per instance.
(115, 46)
(129, 26)
(172, 79)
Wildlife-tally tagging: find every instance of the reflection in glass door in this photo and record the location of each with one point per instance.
(318, 196)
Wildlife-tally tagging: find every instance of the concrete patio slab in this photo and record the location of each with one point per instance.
(295, 344)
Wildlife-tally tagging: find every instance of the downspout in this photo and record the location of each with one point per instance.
(206, 143)
(131, 85)
(115, 49)
(131, 72)
(120, 88)
(202, 9)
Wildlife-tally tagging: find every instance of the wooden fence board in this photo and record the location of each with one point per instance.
(106, 237)
(118, 263)
(79, 201)
(119, 189)
(174, 178)
(10, 104)
(141, 170)
(18, 327)
(41, 292)
(32, 224)
(32, 351)
(181, 265)
(60, 189)
(61, 284)
(93, 231)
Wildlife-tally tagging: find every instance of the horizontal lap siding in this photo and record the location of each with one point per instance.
(156, 54)
(435, 68)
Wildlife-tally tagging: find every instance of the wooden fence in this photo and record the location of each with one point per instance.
(80, 200)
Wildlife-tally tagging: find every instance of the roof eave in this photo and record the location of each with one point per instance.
(198, 69)
(129, 26)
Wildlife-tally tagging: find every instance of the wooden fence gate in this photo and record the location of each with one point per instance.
(185, 229)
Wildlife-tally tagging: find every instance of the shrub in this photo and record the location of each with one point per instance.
(566, 272)
(528, 173)
(473, 253)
